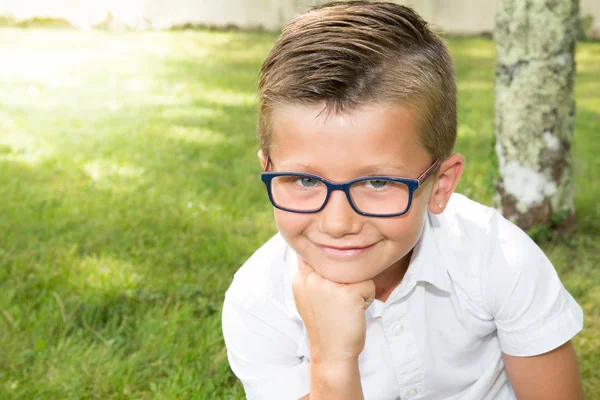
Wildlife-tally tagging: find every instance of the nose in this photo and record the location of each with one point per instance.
(338, 218)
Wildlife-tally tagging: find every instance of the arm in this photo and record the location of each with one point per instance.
(336, 380)
(549, 376)
(333, 380)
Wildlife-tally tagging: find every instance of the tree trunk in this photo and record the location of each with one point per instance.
(535, 44)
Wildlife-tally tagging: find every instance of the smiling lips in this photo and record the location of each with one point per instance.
(345, 251)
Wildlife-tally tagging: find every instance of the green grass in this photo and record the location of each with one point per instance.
(129, 195)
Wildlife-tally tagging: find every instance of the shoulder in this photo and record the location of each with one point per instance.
(466, 220)
(483, 250)
(261, 279)
(463, 236)
(474, 230)
(479, 231)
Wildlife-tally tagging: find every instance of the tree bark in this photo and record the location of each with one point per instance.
(535, 45)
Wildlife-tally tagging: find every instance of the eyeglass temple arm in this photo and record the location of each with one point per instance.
(426, 174)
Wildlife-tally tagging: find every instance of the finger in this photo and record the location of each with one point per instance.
(369, 301)
(366, 290)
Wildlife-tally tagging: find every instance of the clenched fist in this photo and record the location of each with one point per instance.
(333, 313)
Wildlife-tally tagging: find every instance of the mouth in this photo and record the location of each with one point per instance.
(345, 251)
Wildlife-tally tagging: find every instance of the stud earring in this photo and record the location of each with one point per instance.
(440, 205)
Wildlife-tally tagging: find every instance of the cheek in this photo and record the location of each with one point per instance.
(291, 225)
(405, 230)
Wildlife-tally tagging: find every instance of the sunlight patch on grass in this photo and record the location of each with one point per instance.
(587, 59)
(112, 105)
(32, 158)
(191, 112)
(110, 175)
(230, 98)
(104, 273)
(466, 130)
(591, 103)
(24, 148)
(216, 40)
(58, 65)
(198, 207)
(484, 52)
(583, 67)
(135, 85)
(191, 48)
(475, 85)
(196, 134)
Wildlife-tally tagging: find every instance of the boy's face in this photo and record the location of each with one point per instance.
(341, 245)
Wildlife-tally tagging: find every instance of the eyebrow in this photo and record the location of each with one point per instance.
(365, 170)
(386, 166)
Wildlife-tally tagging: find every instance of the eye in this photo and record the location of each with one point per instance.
(307, 182)
(376, 184)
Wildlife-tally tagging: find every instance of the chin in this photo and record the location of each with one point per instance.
(341, 273)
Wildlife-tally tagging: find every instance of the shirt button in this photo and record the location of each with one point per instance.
(397, 329)
(412, 392)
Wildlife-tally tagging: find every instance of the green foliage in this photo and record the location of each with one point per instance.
(45, 22)
(541, 234)
(586, 23)
(553, 230)
(130, 194)
(7, 21)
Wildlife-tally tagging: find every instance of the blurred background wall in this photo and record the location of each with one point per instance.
(451, 16)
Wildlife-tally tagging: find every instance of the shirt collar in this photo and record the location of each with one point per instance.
(427, 263)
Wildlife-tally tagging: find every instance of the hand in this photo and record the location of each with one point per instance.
(333, 313)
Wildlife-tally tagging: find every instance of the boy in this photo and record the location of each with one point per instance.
(382, 283)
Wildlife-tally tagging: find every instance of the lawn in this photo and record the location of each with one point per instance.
(130, 194)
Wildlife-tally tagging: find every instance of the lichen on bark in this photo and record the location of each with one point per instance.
(535, 42)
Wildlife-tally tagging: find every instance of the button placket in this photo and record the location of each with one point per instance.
(404, 350)
(412, 392)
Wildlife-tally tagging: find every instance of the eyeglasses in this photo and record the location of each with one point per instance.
(371, 196)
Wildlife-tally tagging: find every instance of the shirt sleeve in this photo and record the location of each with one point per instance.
(533, 311)
(263, 352)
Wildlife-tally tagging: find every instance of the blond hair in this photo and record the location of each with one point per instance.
(347, 54)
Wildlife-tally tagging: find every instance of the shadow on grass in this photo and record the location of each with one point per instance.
(125, 252)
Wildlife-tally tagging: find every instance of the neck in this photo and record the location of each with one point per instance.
(390, 278)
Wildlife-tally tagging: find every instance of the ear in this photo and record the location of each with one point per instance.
(448, 175)
(262, 158)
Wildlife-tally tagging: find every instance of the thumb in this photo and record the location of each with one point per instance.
(367, 290)
(369, 301)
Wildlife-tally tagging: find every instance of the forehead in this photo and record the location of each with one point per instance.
(349, 142)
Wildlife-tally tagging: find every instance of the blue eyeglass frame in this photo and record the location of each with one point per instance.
(412, 184)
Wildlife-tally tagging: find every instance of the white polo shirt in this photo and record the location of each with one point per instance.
(476, 286)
